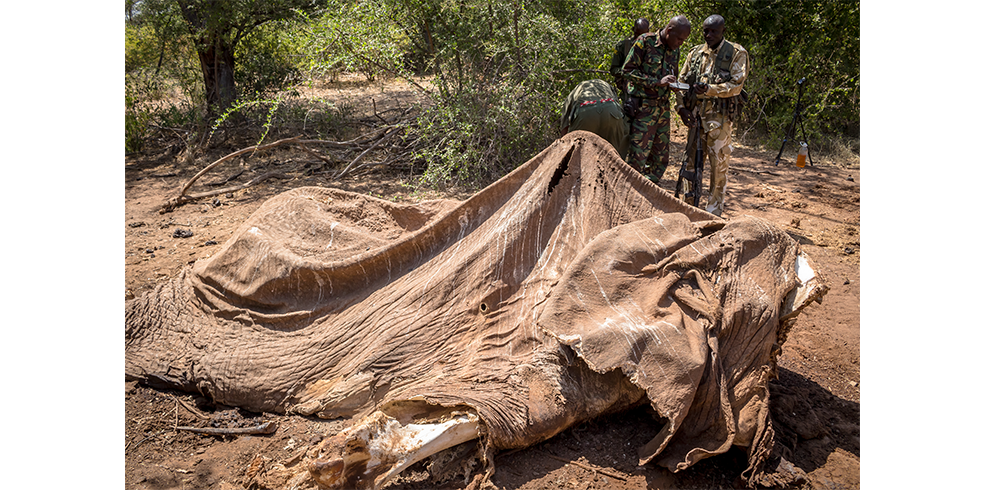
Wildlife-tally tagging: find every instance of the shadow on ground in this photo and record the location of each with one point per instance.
(810, 423)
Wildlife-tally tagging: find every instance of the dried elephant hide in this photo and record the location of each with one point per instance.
(571, 288)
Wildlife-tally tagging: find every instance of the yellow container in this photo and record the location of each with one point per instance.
(801, 156)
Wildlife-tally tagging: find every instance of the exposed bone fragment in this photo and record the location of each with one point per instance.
(368, 454)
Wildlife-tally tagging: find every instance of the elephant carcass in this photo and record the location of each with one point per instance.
(570, 288)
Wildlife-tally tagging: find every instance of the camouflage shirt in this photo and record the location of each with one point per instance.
(648, 62)
(596, 90)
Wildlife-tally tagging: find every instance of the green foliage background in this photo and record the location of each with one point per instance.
(500, 68)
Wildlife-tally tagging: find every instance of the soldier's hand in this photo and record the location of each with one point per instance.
(700, 88)
(668, 79)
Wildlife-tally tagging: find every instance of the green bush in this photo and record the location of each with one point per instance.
(499, 70)
(135, 125)
(263, 61)
(163, 87)
(351, 37)
(142, 47)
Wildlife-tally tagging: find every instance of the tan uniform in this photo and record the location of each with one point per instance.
(717, 127)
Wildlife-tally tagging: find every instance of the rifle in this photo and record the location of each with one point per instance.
(695, 137)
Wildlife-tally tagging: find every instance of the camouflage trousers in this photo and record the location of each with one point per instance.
(716, 128)
(649, 138)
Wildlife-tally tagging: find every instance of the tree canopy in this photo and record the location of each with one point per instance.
(499, 69)
(216, 27)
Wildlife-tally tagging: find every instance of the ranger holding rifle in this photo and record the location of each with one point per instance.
(692, 170)
(715, 72)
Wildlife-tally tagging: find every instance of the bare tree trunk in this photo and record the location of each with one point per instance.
(218, 68)
(215, 54)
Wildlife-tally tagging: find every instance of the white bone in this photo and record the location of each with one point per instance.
(369, 454)
(810, 287)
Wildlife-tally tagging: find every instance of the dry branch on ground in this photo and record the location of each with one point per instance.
(365, 144)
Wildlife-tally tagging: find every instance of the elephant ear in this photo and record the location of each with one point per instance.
(693, 313)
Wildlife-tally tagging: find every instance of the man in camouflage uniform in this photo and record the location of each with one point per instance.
(622, 51)
(592, 106)
(650, 67)
(719, 69)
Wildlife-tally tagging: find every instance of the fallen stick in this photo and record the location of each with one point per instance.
(233, 155)
(228, 179)
(179, 470)
(145, 439)
(351, 142)
(373, 164)
(345, 171)
(582, 465)
(194, 411)
(174, 202)
(264, 428)
(313, 153)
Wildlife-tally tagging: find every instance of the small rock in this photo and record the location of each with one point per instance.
(180, 233)
(150, 250)
(848, 250)
(850, 179)
(847, 281)
(136, 224)
(795, 222)
(211, 242)
(228, 195)
(216, 202)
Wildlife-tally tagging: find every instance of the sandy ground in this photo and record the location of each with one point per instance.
(816, 405)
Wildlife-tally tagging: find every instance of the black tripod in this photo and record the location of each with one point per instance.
(791, 129)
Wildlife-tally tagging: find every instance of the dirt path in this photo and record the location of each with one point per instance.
(817, 396)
